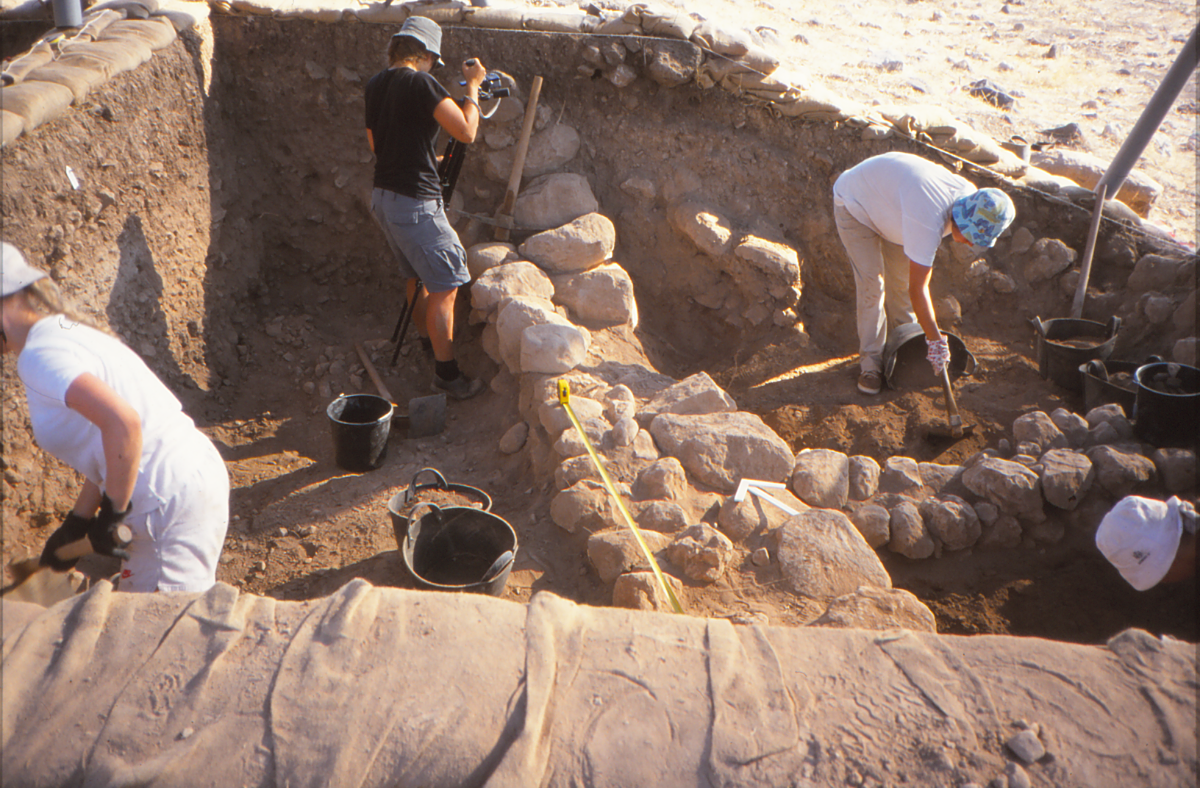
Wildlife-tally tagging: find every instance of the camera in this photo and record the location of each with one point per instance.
(492, 86)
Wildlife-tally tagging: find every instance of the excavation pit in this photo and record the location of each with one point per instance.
(227, 238)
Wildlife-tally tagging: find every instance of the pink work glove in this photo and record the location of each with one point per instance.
(938, 354)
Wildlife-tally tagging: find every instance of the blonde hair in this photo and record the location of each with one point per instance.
(44, 297)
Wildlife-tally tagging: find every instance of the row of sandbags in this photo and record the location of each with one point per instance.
(63, 67)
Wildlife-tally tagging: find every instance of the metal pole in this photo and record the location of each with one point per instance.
(1085, 266)
(68, 13)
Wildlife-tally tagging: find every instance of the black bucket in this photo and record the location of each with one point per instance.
(399, 504)
(1059, 361)
(361, 424)
(1167, 408)
(1104, 383)
(458, 548)
(904, 358)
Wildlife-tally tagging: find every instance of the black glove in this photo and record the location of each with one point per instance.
(102, 530)
(73, 529)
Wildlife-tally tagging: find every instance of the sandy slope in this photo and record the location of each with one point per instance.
(1110, 57)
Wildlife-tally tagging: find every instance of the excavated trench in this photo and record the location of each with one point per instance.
(226, 236)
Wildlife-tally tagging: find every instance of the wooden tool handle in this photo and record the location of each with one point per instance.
(956, 425)
(367, 365)
(123, 535)
(514, 177)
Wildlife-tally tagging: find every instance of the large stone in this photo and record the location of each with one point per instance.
(702, 552)
(553, 200)
(879, 609)
(1139, 191)
(775, 265)
(823, 556)
(514, 439)
(694, 395)
(573, 470)
(873, 522)
(1012, 487)
(485, 256)
(510, 280)
(864, 477)
(601, 295)
(703, 225)
(1176, 468)
(579, 245)
(720, 449)
(1073, 426)
(665, 517)
(1153, 272)
(1121, 470)
(1005, 532)
(554, 419)
(910, 538)
(585, 505)
(1113, 415)
(616, 550)
(551, 348)
(951, 521)
(641, 591)
(619, 403)
(548, 151)
(1066, 477)
(821, 478)
(901, 476)
(939, 478)
(743, 519)
(663, 480)
(514, 315)
(1037, 427)
(1050, 257)
(571, 442)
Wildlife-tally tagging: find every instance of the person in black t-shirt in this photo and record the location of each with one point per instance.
(405, 109)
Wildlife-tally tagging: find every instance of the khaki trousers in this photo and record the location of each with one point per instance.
(880, 279)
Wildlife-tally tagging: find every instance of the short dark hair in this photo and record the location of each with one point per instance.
(403, 48)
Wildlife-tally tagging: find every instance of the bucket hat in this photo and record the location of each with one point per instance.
(427, 32)
(983, 215)
(15, 273)
(1140, 537)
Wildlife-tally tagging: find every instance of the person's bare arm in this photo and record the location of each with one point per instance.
(120, 431)
(462, 122)
(918, 294)
(370, 140)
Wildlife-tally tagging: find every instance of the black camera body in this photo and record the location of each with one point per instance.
(492, 87)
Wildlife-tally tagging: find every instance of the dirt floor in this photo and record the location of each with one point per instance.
(301, 527)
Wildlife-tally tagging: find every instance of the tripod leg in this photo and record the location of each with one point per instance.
(405, 319)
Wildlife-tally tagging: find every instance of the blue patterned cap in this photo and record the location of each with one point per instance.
(982, 216)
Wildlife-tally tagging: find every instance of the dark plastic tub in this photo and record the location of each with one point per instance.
(1165, 418)
(904, 364)
(458, 548)
(1060, 362)
(398, 505)
(1099, 388)
(361, 424)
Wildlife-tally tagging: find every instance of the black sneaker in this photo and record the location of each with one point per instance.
(462, 387)
(870, 382)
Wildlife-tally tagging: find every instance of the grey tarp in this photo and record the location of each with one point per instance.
(388, 687)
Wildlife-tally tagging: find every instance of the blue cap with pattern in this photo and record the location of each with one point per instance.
(982, 216)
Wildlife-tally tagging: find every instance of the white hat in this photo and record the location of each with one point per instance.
(15, 273)
(1140, 537)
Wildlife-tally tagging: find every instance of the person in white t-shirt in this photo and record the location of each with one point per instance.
(95, 405)
(1150, 541)
(892, 212)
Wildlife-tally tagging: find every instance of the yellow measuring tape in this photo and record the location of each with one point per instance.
(564, 398)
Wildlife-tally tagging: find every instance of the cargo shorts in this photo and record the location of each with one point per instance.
(420, 235)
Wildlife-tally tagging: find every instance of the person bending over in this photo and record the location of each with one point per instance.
(95, 405)
(1150, 541)
(892, 212)
(405, 109)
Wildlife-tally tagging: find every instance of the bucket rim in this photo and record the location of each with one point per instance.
(409, 544)
(347, 397)
(1137, 377)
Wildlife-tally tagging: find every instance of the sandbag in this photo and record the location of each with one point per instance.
(156, 33)
(495, 18)
(665, 22)
(96, 23)
(130, 9)
(99, 62)
(183, 14)
(36, 102)
(817, 103)
(77, 79)
(11, 126)
(442, 13)
(976, 146)
(723, 42)
(38, 56)
(1139, 191)
(120, 55)
(380, 14)
(760, 60)
(935, 121)
(617, 26)
(561, 22)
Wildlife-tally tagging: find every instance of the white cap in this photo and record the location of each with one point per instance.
(1140, 537)
(15, 273)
